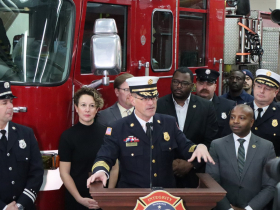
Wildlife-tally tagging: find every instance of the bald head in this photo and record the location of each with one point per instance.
(245, 108)
(241, 120)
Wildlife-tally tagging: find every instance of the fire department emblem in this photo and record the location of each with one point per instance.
(274, 123)
(159, 200)
(166, 136)
(22, 144)
(268, 73)
(6, 85)
(150, 81)
(207, 71)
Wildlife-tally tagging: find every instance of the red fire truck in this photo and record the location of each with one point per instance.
(45, 49)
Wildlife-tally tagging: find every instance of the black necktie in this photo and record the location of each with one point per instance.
(241, 156)
(149, 126)
(259, 114)
(149, 134)
(4, 139)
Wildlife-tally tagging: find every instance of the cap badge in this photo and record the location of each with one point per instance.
(268, 73)
(244, 72)
(274, 123)
(22, 144)
(166, 136)
(6, 85)
(224, 115)
(132, 124)
(254, 146)
(150, 81)
(208, 71)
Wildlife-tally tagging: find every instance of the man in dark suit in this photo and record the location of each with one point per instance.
(21, 167)
(236, 91)
(267, 112)
(122, 107)
(205, 87)
(240, 164)
(144, 142)
(195, 116)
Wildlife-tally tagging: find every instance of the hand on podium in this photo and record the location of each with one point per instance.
(201, 151)
(98, 176)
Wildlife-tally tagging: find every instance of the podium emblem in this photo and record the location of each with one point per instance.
(159, 200)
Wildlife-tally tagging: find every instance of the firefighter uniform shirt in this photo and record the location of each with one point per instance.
(21, 168)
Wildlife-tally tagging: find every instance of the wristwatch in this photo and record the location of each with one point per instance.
(20, 207)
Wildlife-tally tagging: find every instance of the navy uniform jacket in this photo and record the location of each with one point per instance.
(223, 107)
(21, 169)
(268, 126)
(243, 98)
(134, 157)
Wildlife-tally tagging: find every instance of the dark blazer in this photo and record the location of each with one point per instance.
(201, 124)
(268, 126)
(110, 114)
(254, 188)
(223, 107)
(137, 156)
(21, 168)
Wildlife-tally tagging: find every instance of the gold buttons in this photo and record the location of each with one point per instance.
(132, 154)
(274, 134)
(169, 148)
(155, 174)
(153, 160)
(152, 147)
(256, 128)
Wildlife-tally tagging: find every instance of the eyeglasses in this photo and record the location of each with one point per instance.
(146, 99)
(124, 89)
(183, 84)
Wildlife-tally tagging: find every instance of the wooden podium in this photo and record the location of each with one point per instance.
(202, 198)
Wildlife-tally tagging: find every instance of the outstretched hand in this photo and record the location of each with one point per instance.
(201, 152)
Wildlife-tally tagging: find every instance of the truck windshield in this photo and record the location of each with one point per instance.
(35, 41)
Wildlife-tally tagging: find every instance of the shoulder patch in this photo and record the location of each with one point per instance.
(108, 131)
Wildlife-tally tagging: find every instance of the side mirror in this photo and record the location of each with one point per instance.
(105, 48)
(275, 16)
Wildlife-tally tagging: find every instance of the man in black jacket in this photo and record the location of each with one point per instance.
(195, 116)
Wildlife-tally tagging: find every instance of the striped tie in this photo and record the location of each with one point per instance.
(241, 156)
(128, 112)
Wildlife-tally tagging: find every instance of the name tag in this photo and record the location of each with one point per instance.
(131, 144)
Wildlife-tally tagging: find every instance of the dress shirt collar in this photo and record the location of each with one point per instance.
(186, 102)
(143, 122)
(124, 110)
(256, 107)
(246, 138)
